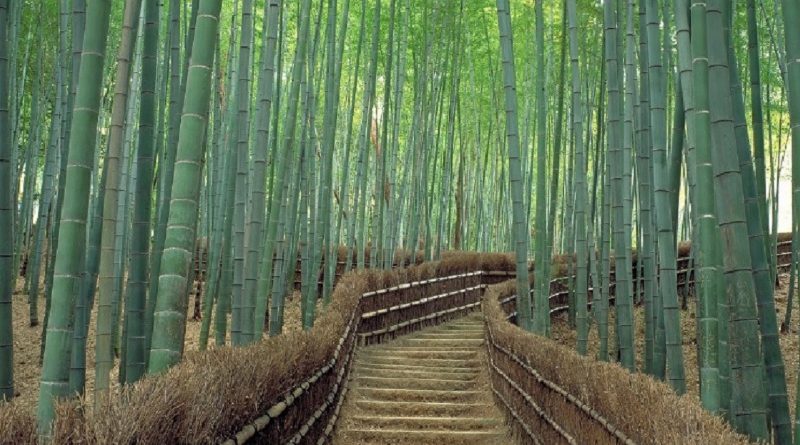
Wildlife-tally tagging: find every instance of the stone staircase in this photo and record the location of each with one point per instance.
(430, 387)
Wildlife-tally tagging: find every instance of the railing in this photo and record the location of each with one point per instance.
(408, 307)
(368, 307)
(582, 423)
(380, 315)
(387, 312)
(552, 395)
(333, 375)
(560, 286)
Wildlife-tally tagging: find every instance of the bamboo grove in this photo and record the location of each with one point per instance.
(164, 162)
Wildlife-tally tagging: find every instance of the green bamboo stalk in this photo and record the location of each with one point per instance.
(791, 16)
(216, 212)
(334, 232)
(358, 224)
(392, 219)
(762, 276)
(78, 14)
(285, 259)
(178, 78)
(310, 268)
(71, 244)
(242, 318)
(675, 157)
(757, 119)
(284, 248)
(515, 171)
(344, 196)
(541, 305)
(223, 294)
(556, 169)
(644, 151)
(377, 241)
(708, 274)
(222, 289)
(281, 167)
(166, 169)
(44, 212)
(447, 161)
(748, 393)
(666, 248)
(624, 298)
(170, 310)
(7, 271)
(24, 225)
(600, 308)
(140, 241)
(258, 184)
(653, 351)
(107, 276)
(121, 245)
(581, 250)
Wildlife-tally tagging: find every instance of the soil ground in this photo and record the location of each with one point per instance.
(28, 342)
(790, 341)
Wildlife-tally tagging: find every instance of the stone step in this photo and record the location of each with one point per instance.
(444, 409)
(417, 395)
(423, 354)
(416, 383)
(412, 437)
(426, 423)
(450, 334)
(401, 348)
(427, 363)
(378, 363)
(440, 342)
(399, 372)
(471, 327)
(426, 388)
(472, 322)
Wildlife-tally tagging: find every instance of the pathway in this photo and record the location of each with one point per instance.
(430, 387)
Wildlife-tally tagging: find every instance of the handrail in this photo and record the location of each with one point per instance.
(571, 399)
(462, 293)
(405, 307)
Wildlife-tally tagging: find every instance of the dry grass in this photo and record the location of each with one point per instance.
(28, 340)
(17, 426)
(210, 395)
(790, 341)
(18, 416)
(622, 397)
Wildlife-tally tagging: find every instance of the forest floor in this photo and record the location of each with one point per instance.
(790, 341)
(28, 343)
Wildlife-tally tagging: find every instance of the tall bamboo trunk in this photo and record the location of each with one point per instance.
(107, 276)
(72, 237)
(748, 392)
(7, 272)
(515, 169)
(140, 237)
(666, 247)
(170, 309)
